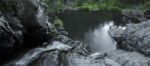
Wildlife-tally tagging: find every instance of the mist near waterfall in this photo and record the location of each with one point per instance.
(99, 39)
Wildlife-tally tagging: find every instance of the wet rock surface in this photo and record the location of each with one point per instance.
(75, 60)
(135, 38)
(134, 42)
(116, 32)
(133, 15)
(47, 59)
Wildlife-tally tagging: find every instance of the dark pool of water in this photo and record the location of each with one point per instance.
(79, 22)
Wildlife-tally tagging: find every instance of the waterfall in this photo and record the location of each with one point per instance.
(99, 39)
(35, 53)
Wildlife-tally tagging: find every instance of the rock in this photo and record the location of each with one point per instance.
(147, 14)
(75, 60)
(132, 15)
(34, 19)
(137, 38)
(28, 18)
(56, 58)
(40, 55)
(134, 38)
(34, 15)
(79, 47)
(23, 23)
(7, 39)
(125, 58)
(47, 59)
(60, 55)
(17, 27)
(26, 24)
(113, 58)
(116, 31)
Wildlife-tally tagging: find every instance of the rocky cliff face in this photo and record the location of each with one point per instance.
(23, 23)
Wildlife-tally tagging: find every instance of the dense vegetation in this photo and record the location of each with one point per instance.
(94, 5)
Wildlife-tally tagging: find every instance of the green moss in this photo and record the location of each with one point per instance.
(58, 23)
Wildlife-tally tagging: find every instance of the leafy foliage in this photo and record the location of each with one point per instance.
(94, 5)
(103, 5)
(54, 5)
(146, 5)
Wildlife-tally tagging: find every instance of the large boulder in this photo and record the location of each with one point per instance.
(136, 37)
(34, 15)
(23, 24)
(34, 18)
(131, 15)
(30, 15)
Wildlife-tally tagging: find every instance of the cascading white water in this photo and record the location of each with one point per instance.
(31, 55)
(99, 39)
(35, 53)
